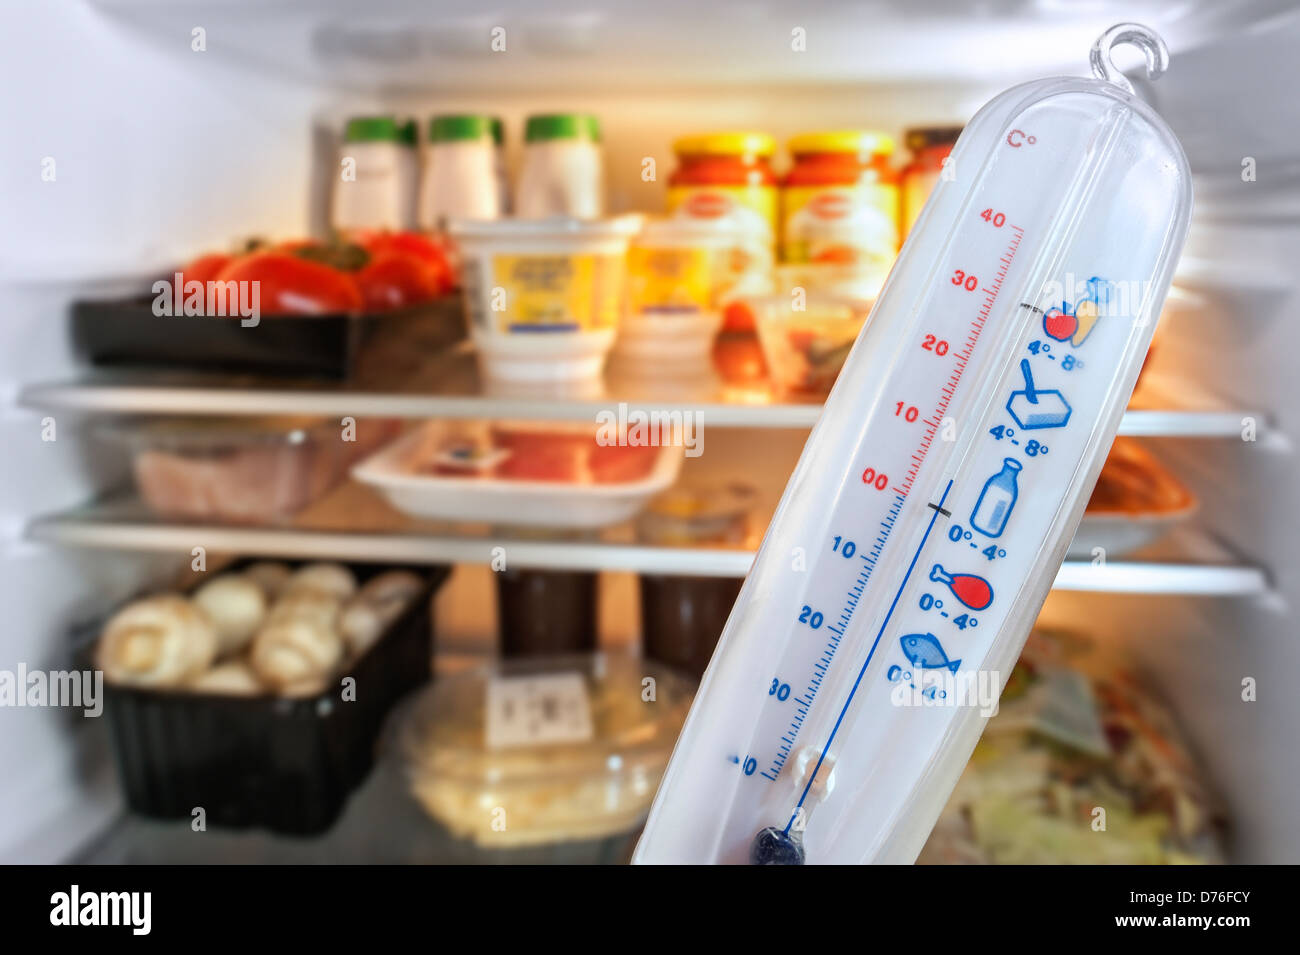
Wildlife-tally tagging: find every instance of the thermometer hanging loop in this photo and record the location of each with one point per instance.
(1144, 38)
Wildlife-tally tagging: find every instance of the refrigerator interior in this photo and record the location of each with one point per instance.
(172, 128)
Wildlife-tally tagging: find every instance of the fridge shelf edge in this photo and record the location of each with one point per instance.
(1133, 577)
(93, 399)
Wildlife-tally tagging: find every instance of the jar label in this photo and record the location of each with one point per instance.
(841, 225)
(672, 279)
(549, 293)
(536, 710)
(750, 211)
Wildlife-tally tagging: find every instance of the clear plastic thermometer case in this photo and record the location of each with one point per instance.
(923, 526)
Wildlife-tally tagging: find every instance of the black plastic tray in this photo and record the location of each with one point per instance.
(127, 333)
(287, 765)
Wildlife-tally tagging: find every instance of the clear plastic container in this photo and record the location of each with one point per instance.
(543, 751)
(245, 470)
(806, 348)
(677, 269)
(543, 297)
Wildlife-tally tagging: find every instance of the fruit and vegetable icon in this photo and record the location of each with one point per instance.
(1075, 324)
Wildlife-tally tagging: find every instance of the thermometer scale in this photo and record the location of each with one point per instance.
(922, 528)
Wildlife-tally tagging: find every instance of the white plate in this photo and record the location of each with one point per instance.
(1120, 534)
(530, 503)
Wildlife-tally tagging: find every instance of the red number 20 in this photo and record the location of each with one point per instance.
(936, 345)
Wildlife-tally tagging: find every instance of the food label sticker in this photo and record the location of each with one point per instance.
(532, 710)
(557, 293)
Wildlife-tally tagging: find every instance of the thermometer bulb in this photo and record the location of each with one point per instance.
(774, 846)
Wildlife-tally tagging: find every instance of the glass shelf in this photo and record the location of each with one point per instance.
(447, 385)
(1186, 561)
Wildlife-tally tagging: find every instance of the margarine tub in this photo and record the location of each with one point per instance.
(677, 270)
(543, 297)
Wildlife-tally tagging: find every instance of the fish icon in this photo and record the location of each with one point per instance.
(926, 652)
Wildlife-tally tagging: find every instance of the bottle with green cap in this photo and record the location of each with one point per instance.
(376, 176)
(461, 178)
(562, 173)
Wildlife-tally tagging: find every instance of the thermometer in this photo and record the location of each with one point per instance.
(934, 501)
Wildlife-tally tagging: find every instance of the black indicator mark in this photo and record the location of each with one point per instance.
(941, 510)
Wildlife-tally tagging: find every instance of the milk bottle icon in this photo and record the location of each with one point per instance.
(996, 500)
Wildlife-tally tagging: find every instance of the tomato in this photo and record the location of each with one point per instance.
(396, 280)
(427, 250)
(738, 317)
(739, 359)
(293, 245)
(837, 255)
(205, 268)
(291, 285)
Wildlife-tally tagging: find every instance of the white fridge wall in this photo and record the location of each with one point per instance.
(157, 154)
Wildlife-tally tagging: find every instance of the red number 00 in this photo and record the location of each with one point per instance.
(878, 481)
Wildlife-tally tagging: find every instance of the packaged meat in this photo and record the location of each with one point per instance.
(533, 474)
(245, 470)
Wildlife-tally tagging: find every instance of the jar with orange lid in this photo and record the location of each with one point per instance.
(929, 146)
(839, 204)
(727, 178)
